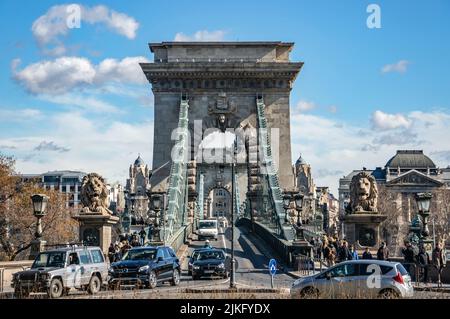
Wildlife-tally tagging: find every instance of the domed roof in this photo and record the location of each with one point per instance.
(410, 159)
(139, 161)
(300, 161)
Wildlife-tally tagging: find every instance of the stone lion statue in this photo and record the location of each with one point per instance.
(363, 194)
(94, 196)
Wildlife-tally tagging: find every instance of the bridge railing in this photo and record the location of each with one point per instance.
(275, 192)
(176, 210)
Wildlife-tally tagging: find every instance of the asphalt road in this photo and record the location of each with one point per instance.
(251, 271)
(251, 265)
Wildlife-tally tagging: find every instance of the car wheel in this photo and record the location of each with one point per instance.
(195, 277)
(189, 273)
(94, 285)
(113, 286)
(309, 292)
(388, 294)
(56, 289)
(175, 277)
(152, 280)
(226, 275)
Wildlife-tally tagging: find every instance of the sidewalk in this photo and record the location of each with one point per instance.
(431, 287)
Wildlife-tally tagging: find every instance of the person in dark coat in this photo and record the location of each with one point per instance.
(367, 254)
(424, 261)
(383, 252)
(410, 260)
(344, 253)
(439, 261)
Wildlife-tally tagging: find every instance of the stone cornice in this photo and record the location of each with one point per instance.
(213, 70)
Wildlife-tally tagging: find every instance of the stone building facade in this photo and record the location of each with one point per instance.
(136, 199)
(407, 173)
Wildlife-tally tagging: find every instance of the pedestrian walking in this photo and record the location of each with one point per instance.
(344, 253)
(439, 261)
(383, 252)
(410, 260)
(423, 260)
(367, 254)
(353, 253)
(142, 235)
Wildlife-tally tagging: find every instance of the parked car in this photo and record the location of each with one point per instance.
(356, 279)
(208, 228)
(57, 271)
(210, 262)
(145, 266)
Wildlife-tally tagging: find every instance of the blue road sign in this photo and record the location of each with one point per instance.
(273, 267)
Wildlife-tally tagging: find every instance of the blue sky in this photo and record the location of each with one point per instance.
(346, 112)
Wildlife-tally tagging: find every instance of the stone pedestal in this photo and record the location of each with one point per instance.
(363, 229)
(96, 230)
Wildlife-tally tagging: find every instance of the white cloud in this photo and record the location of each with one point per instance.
(26, 114)
(304, 106)
(87, 103)
(50, 27)
(385, 121)
(399, 67)
(64, 74)
(95, 146)
(332, 147)
(202, 35)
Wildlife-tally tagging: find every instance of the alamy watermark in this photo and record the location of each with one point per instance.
(374, 19)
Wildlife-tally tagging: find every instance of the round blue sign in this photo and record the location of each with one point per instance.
(273, 267)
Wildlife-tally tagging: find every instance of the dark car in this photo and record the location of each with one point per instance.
(193, 258)
(145, 266)
(211, 263)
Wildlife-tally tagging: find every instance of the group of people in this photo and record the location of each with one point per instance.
(119, 248)
(334, 250)
(419, 261)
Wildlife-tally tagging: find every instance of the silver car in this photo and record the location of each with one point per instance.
(56, 271)
(356, 279)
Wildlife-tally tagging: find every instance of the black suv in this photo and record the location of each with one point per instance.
(145, 266)
(210, 262)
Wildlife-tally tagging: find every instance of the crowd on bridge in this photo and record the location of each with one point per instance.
(418, 261)
(126, 241)
(333, 250)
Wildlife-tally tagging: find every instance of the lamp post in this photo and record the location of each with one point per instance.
(233, 190)
(423, 202)
(156, 205)
(299, 207)
(286, 205)
(40, 202)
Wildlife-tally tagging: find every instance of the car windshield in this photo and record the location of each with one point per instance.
(140, 254)
(214, 254)
(211, 224)
(50, 259)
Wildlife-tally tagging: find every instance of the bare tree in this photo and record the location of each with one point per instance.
(440, 214)
(17, 223)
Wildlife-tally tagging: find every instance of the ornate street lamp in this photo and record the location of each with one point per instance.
(298, 208)
(40, 202)
(423, 202)
(286, 205)
(156, 201)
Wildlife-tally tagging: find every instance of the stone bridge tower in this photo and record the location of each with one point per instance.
(221, 80)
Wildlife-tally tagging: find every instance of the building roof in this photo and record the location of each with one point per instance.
(410, 159)
(139, 161)
(300, 161)
(65, 173)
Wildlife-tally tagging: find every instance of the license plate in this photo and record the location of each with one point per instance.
(209, 271)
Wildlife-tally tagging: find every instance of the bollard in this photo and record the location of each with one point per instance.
(2, 273)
